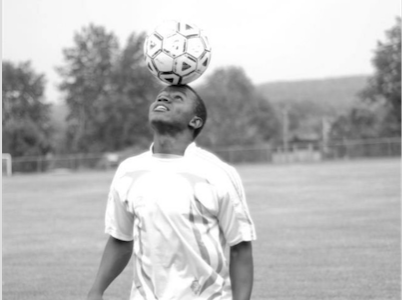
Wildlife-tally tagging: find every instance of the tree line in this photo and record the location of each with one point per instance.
(107, 90)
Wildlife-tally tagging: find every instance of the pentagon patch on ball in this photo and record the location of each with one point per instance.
(177, 52)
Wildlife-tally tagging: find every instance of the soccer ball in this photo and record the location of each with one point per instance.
(177, 52)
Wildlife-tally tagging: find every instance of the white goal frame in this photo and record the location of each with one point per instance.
(9, 162)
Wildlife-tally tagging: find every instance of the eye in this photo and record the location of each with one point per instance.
(180, 98)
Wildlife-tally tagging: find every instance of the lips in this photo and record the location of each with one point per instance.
(160, 108)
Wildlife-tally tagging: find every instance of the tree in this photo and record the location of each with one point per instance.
(26, 120)
(107, 90)
(86, 81)
(237, 114)
(362, 122)
(385, 86)
(378, 114)
(125, 120)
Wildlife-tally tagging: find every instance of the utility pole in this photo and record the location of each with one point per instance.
(285, 132)
(325, 130)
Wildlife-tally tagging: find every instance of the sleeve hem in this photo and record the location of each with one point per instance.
(244, 238)
(118, 235)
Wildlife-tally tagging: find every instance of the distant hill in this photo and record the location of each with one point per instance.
(330, 96)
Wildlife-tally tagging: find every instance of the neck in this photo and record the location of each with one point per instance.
(176, 145)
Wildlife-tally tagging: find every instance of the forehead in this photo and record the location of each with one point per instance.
(176, 90)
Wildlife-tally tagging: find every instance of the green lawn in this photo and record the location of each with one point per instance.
(325, 231)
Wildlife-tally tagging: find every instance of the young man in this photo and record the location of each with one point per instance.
(177, 207)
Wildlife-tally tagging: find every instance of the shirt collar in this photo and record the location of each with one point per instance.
(189, 148)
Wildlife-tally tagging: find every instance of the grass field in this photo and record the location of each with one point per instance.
(325, 231)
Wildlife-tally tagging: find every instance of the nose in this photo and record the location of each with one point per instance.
(163, 99)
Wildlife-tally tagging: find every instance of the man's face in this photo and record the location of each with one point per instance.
(174, 106)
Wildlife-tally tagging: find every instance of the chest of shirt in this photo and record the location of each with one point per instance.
(174, 192)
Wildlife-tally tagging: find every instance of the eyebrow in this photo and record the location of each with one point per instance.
(173, 94)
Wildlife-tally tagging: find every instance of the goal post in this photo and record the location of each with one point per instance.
(7, 164)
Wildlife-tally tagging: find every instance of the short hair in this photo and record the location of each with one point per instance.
(200, 110)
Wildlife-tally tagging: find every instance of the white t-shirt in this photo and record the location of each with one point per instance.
(181, 212)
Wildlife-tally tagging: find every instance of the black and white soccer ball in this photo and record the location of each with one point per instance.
(177, 52)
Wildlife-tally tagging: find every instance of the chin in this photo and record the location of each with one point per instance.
(158, 118)
(163, 126)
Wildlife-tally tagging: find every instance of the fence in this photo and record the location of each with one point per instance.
(312, 152)
(63, 163)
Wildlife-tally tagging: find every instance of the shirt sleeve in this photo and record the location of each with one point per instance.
(234, 216)
(119, 221)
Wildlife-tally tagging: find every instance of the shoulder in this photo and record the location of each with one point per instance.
(135, 159)
(202, 155)
(132, 163)
(214, 163)
(221, 173)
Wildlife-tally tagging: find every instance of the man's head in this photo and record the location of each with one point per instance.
(178, 108)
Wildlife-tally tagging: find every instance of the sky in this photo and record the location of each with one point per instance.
(272, 40)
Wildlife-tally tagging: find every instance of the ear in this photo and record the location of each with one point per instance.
(196, 122)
